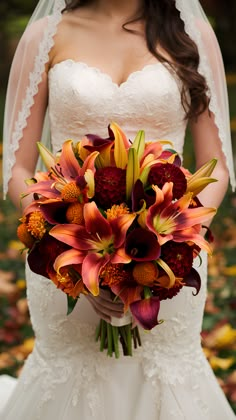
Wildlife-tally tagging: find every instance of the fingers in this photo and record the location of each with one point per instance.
(105, 307)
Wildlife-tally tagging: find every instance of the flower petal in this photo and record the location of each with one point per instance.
(47, 157)
(91, 267)
(146, 311)
(120, 257)
(89, 163)
(72, 256)
(142, 245)
(54, 211)
(121, 145)
(95, 223)
(68, 162)
(127, 294)
(193, 280)
(120, 226)
(74, 235)
(44, 188)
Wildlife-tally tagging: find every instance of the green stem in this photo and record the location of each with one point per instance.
(147, 292)
(129, 339)
(103, 334)
(98, 331)
(116, 341)
(109, 340)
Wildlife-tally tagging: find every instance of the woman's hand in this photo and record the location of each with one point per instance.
(105, 306)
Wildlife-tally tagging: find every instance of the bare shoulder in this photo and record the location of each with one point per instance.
(70, 29)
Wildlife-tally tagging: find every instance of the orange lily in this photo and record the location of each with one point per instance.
(174, 220)
(94, 245)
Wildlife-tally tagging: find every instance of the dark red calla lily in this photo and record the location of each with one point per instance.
(193, 279)
(54, 211)
(43, 254)
(139, 196)
(146, 312)
(142, 245)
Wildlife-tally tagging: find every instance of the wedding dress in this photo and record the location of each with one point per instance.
(66, 377)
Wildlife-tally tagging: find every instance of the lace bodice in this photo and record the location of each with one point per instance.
(83, 100)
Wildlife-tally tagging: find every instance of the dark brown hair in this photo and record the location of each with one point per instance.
(165, 27)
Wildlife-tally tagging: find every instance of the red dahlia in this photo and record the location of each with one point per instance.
(178, 256)
(164, 293)
(110, 186)
(167, 172)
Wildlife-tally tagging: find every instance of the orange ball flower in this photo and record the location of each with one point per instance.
(74, 213)
(36, 224)
(71, 192)
(145, 273)
(24, 235)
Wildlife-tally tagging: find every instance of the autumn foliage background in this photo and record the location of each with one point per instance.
(219, 326)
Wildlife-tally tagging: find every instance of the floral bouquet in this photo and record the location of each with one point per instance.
(117, 215)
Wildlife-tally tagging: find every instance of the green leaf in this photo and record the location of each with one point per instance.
(71, 302)
(139, 144)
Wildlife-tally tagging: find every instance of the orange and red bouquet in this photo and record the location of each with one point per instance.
(121, 215)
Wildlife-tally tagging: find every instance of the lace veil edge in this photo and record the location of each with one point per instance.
(17, 109)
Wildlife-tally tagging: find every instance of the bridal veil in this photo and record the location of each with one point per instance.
(32, 54)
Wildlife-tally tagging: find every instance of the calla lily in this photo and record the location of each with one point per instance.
(146, 311)
(42, 256)
(140, 199)
(98, 242)
(193, 279)
(174, 220)
(142, 245)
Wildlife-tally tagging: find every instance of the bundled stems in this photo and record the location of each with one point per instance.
(110, 336)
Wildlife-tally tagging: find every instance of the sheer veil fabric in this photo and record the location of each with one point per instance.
(32, 55)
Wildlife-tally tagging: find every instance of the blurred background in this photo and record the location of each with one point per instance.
(219, 327)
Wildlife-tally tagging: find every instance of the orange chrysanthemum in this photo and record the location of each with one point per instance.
(145, 273)
(113, 274)
(36, 224)
(116, 211)
(24, 235)
(71, 192)
(69, 284)
(74, 213)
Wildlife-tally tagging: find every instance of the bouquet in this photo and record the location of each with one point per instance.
(120, 215)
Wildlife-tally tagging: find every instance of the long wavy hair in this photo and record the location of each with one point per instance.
(165, 27)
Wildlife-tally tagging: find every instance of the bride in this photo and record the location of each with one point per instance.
(145, 64)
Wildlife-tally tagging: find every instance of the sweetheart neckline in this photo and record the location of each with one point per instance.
(131, 76)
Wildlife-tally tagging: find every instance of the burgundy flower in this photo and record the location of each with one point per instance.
(166, 172)
(139, 196)
(178, 256)
(43, 254)
(110, 186)
(145, 311)
(142, 245)
(164, 293)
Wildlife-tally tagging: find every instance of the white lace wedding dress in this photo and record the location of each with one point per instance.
(66, 377)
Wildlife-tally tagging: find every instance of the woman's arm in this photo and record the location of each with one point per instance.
(207, 145)
(27, 154)
(25, 98)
